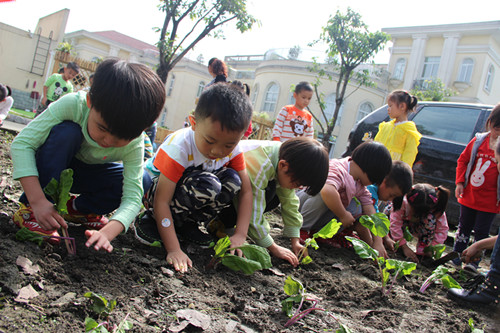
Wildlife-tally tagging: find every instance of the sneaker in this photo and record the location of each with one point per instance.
(304, 234)
(190, 232)
(472, 267)
(24, 217)
(217, 228)
(145, 229)
(91, 221)
(485, 293)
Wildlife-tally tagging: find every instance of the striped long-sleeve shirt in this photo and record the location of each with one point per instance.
(292, 122)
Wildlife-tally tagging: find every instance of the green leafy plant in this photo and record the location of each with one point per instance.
(377, 223)
(328, 231)
(298, 295)
(255, 257)
(103, 308)
(473, 328)
(387, 268)
(435, 251)
(24, 234)
(65, 47)
(440, 273)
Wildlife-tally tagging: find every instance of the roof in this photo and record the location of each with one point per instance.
(126, 40)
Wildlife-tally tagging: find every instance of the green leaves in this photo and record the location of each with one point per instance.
(328, 231)
(59, 190)
(295, 289)
(440, 273)
(400, 266)
(363, 250)
(24, 234)
(377, 223)
(436, 251)
(255, 257)
(100, 304)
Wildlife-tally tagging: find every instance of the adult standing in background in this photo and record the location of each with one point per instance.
(218, 69)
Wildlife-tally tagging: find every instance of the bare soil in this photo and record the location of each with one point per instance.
(149, 293)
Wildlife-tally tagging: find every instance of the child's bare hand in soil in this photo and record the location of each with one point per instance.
(98, 239)
(179, 260)
(389, 243)
(296, 246)
(47, 216)
(409, 253)
(236, 241)
(284, 253)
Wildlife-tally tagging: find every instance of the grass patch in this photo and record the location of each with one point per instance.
(22, 113)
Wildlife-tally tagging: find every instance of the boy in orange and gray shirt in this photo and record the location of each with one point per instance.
(295, 120)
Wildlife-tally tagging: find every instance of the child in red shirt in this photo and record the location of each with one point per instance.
(477, 188)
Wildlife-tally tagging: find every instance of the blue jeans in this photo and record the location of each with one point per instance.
(99, 185)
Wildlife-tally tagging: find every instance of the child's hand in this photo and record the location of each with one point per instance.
(347, 220)
(389, 243)
(284, 253)
(296, 246)
(379, 246)
(459, 190)
(179, 260)
(470, 252)
(236, 241)
(47, 216)
(409, 253)
(98, 238)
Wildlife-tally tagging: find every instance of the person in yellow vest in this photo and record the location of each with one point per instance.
(400, 136)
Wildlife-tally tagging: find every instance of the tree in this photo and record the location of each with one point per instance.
(205, 18)
(350, 44)
(433, 90)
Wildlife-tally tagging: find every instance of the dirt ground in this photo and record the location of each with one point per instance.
(149, 293)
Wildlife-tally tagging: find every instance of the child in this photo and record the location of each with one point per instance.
(87, 132)
(218, 70)
(399, 135)
(200, 169)
(5, 102)
(295, 120)
(395, 185)
(58, 85)
(423, 212)
(275, 170)
(477, 188)
(347, 179)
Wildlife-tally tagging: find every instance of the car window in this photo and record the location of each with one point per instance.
(447, 123)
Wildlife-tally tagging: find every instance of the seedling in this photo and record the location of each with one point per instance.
(435, 251)
(377, 223)
(328, 231)
(473, 328)
(396, 268)
(59, 192)
(440, 273)
(103, 308)
(298, 295)
(255, 257)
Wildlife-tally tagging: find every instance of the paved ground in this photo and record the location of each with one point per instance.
(12, 126)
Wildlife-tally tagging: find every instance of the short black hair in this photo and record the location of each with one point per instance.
(308, 162)
(74, 66)
(374, 159)
(303, 85)
(494, 118)
(401, 176)
(5, 91)
(128, 96)
(226, 104)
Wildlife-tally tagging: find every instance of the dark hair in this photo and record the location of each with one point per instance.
(243, 86)
(497, 147)
(402, 96)
(425, 199)
(494, 117)
(74, 66)
(61, 70)
(218, 67)
(303, 85)
(128, 96)
(374, 159)
(5, 91)
(308, 162)
(211, 60)
(226, 104)
(401, 176)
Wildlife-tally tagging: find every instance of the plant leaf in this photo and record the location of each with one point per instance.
(90, 324)
(329, 230)
(377, 223)
(362, 249)
(407, 234)
(65, 183)
(306, 260)
(24, 234)
(436, 250)
(222, 245)
(257, 253)
(292, 286)
(237, 264)
(405, 267)
(450, 282)
(287, 304)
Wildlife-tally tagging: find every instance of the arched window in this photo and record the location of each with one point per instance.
(330, 109)
(271, 98)
(489, 78)
(465, 73)
(364, 109)
(201, 86)
(399, 69)
(255, 93)
(171, 86)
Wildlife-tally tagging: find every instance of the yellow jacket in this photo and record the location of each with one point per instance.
(402, 140)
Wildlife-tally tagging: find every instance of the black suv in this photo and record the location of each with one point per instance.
(446, 129)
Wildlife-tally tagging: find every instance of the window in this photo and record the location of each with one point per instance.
(489, 78)
(431, 66)
(465, 74)
(330, 109)
(364, 110)
(271, 98)
(201, 86)
(255, 94)
(399, 69)
(171, 86)
(458, 127)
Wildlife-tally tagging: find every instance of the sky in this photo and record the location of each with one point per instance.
(284, 23)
